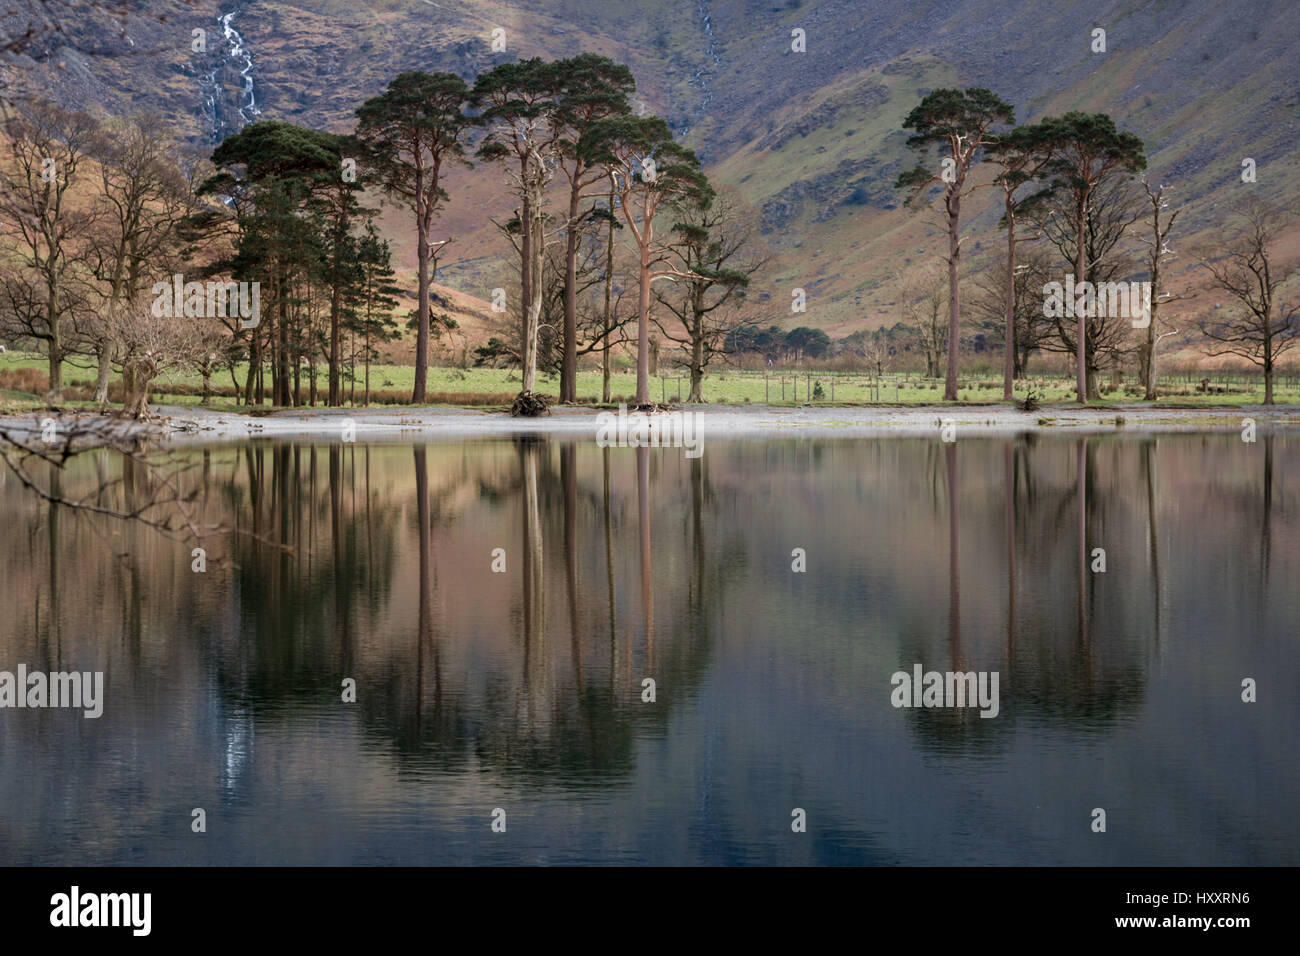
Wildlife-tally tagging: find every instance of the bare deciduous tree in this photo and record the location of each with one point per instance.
(1109, 210)
(925, 296)
(151, 345)
(1030, 326)
(716, 253)
(145, 195)
(1161, 222)
(1261, 327)
(45, 226)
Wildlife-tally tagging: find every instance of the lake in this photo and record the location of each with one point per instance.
(522, 690)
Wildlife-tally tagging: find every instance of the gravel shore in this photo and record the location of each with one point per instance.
(181, 425)
(717, 422)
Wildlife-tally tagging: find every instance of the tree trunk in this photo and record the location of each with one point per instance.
(609, 294)
(569, 367)
(422, 312)
(1150, 356)
(697, 361)
(697, 385)
(643, 326)
(56, 345)
(1009, 346)
(136, 379)
(234, 381)
(336, 307)
(1080, 271)
(954, 307)
(106, 348)
(56, 372)
(254, 362)
(283, 398)
(527, 343)
(533, 312)
(273, 354)
(108, 345)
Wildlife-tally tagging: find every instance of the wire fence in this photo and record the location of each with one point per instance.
(799, 387)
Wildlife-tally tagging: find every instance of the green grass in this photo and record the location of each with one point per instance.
(723, 386)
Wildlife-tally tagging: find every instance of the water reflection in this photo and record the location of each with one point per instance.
(523, 689)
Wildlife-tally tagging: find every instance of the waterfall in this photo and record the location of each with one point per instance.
(701, 77)
(247, 108)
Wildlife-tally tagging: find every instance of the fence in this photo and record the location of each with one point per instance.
(799, 387)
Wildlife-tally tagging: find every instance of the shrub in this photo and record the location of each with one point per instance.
(30, 380)
(170, 388)
(393, 397)
(86, 392)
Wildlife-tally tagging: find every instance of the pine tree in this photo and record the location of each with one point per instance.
(374, 300)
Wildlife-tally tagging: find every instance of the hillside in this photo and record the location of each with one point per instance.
(812, 140)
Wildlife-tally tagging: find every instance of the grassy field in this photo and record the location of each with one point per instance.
(391, 385)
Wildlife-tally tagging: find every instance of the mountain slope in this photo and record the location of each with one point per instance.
(812, 140)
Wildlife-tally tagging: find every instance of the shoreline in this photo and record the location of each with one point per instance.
(188, 425)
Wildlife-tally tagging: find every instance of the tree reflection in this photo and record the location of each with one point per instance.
(1009, 520)
(372, 562)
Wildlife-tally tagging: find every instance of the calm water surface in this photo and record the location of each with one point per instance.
(522, 690)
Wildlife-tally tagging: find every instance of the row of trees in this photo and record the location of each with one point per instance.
(566, 128)
(81, 246)
(288, 207)
(95, 215)
(1070, 180)
(294, 219)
